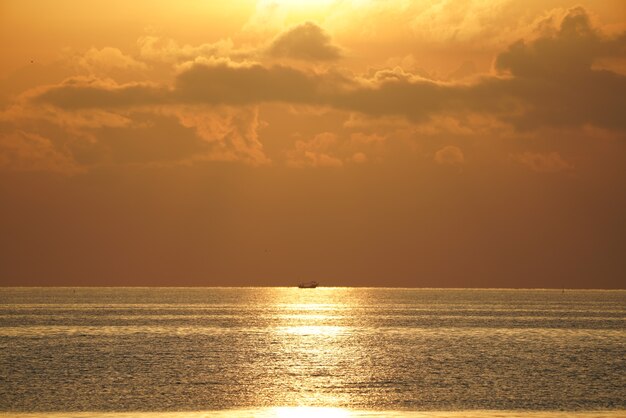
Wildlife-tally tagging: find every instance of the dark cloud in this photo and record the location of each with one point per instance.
(224, 82)
(554, 78)
(306, 42)
(547, 82)
(85, 94)
(571, 50)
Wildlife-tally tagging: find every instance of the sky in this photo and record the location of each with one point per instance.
(439, 143)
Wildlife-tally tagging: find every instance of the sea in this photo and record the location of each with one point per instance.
(328, 352)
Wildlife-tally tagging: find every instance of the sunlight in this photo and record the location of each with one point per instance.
(310, 412)
(295, 11)
(303, 3)
(314, 330)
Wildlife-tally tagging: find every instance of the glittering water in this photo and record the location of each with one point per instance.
(344, 349)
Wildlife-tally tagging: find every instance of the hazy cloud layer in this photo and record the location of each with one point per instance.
(160, 49)
(449, 155)
(210, 111)
(543, 162)
(549, 81)
(24, 151)
(318, 152)
(107, 59)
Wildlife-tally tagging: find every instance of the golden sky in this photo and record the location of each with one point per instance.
(355, 142)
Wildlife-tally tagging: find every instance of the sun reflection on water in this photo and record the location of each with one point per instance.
(314, 330)
(310, 332)
(309, 412)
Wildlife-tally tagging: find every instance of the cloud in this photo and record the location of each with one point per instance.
(555, 79)
(464, 71)
(449, 155)
(549, 81)
(451, 20)
(363, 138)
(570, 50)
(359, 157)
(269, 15)
(460, 26)
(75, 139)
(335, 149)
(315, 152)
(306, 42)
(222, 81)
(155, 48)
(410, 64)
(544, 163)
(232, 133)
(160, 136)
(27, 151)
(108, 59)
(86, 93)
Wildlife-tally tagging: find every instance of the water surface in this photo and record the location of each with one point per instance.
(353, 351)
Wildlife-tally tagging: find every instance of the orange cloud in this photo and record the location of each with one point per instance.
(25, 151)
(304, 42)
(78, 93)
(154, 135)
(315, 153)
(544, 163)
(547, 82)
(449, 155)
(232, 133)
(107, 59)
(155, 48)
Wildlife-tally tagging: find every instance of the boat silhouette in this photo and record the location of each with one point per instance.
(308, 285)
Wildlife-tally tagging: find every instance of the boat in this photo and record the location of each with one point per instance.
(308, 285)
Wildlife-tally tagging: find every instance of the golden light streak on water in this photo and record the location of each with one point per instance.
(322, 412)
(313, 330)
(310, 412)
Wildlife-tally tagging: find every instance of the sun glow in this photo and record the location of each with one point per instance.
(303, 3)
(310, 412)
(314, 330)
(295, 11)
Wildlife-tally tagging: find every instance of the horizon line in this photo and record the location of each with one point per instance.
(295, 287)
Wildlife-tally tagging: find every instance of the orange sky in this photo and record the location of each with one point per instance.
(447, 143)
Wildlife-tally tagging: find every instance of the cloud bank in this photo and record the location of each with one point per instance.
(549, 81)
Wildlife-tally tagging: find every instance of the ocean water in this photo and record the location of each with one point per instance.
(331, 352)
